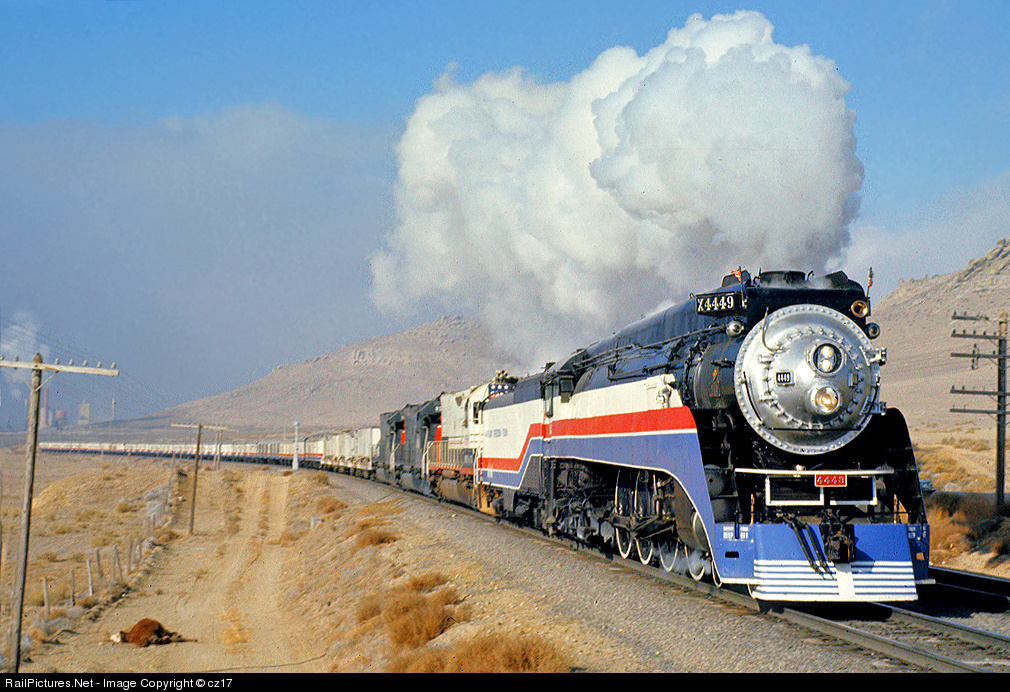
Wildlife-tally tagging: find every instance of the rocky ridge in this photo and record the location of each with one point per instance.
(350, 387)
(916, 330)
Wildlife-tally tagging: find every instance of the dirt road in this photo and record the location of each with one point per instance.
(218, 587)
(285, 572)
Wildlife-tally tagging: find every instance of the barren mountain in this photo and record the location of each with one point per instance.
(916, 326)
(352, 386)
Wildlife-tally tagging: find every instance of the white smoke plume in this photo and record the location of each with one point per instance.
(19, 338)
(558, 212)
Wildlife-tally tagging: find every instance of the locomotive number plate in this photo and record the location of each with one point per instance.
(830, 480)
(718, 303)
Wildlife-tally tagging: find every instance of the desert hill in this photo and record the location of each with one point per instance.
(352, 386)
(916, 326)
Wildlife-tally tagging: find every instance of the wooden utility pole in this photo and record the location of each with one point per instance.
(35, 388)
(196, 471)
(1001, 394)
(196, 466)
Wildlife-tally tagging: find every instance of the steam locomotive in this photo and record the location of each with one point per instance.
(738, 437)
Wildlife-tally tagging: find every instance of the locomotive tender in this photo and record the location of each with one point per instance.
(738, 437)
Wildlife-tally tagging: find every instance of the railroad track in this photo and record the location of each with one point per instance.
(982, 584)
(913, 638)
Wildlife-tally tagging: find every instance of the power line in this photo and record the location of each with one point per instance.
(29, 337)
(37, 367)
(1000, 358)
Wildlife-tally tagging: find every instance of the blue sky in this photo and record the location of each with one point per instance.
(196, 189)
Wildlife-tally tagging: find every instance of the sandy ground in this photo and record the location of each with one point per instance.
(274, 578)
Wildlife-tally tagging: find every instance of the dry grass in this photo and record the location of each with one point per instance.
(964, 522)
(369, 522)
(87, 601)
(330, 505)
(371, 531)
(106, 539)
(165, 534)
(427, 582)
(374, 537)
(382, 508)
(290, 536)
(58, 593)
(970, 509)
(413, 619)
(948, 536)
(968, 443)
(235, 633)
(234, 495)
(413, 614)
(39, 635)
(489, 652)
(369, 607)
(942, 464)
(89, 514)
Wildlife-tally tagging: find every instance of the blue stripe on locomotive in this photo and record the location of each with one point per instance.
(749, 553)
(676, 453)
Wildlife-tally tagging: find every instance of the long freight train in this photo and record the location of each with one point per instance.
(738, 437)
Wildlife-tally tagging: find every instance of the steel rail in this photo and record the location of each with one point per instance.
(971, 581)
(872, 642)
(967, 634)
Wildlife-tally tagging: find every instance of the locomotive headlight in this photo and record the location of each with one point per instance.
(826, 400)
(827, 359)
(807, 379)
